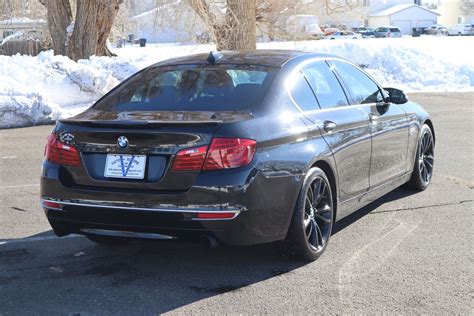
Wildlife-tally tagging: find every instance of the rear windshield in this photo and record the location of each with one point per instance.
(382, 29)
(210, 87)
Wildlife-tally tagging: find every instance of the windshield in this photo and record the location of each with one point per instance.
(210, 87)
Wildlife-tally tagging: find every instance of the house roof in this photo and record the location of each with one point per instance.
(399, 7)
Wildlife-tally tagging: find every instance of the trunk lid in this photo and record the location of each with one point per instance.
(157, 135)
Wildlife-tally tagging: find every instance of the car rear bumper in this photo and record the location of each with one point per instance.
(255, 208)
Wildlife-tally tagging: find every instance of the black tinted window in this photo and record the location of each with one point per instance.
(301, 93)
(191, 88)
(394, 29)
(362, 88)
(325, 85)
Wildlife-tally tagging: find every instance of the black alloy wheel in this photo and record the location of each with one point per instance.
(317, 217)
(424, 162)
(313, 218)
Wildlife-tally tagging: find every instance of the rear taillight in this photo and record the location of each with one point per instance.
(388, 34)
(190, 159)
(227, 153)
(223, 153)
(61, 153)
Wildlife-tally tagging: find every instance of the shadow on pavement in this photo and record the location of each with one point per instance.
(151, 276)
(396, 194)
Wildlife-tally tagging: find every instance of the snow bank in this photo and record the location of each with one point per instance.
(41, 89)
(423, 64)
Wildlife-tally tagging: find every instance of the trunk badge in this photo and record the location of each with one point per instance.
(122, 142)
(66, 137)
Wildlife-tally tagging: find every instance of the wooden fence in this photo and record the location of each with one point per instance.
(24, 47)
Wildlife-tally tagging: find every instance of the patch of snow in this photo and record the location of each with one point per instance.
(41, 89)
(22, 21)
(19, 109)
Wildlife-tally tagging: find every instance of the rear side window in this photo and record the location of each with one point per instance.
(220, 87)
(301, 93)
(394, 29)
(362, 88)
(325, 85)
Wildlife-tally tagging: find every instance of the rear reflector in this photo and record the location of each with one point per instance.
(52, 205)
(61, 153)
(190, 159)
(227, 153)
(216, 215)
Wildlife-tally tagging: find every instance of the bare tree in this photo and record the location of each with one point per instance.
(92, 25)
(232, 22)
(271, 16)
(59, 18)
(467, 6)
(21, 8)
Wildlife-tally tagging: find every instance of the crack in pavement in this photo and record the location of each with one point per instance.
(420, 207)
(18, 209)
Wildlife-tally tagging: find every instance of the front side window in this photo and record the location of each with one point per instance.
(325, 85)
(220, 87)
(362, 88)
(301, 93)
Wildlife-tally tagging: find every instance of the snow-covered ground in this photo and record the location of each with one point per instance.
(41, 89)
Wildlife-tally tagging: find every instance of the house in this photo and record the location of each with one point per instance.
(37, 29)
(353, 13)
(405, 16)
(455, 11)
(170, 22)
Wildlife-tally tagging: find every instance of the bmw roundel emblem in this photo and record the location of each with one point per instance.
(66, 137)
(122, 142)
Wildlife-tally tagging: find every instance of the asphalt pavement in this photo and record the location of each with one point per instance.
(405, 253)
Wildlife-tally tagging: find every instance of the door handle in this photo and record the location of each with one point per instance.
(328, 126)
(373, 118)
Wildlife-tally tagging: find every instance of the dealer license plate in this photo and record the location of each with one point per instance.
(125, 166)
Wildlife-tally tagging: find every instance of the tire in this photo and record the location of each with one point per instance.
(424, 161)
(107, 240)
(310, 227)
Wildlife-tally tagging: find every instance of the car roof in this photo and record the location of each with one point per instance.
(263, 57)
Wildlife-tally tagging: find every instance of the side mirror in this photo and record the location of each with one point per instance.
(396, 96)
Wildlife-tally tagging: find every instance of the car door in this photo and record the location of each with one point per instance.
(345, 129)
(387, 122)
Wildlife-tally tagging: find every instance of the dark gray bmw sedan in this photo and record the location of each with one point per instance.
(235, 147)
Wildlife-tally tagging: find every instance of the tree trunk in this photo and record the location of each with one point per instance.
(59, 18)
(236, 30)
(94, 20)
(240, 31)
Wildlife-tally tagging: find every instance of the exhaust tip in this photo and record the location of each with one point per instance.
(209, 241)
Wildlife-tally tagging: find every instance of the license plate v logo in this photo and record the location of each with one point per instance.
(127, 168)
